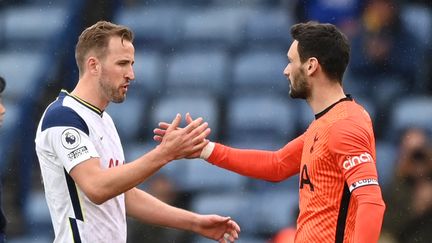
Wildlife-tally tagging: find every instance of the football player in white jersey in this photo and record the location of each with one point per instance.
(88, 187)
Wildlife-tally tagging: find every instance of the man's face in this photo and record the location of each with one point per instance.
(117, 71)
(2, 111)
(295, 72)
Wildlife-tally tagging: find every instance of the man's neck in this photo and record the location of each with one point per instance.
(324, 96)
(85, 91)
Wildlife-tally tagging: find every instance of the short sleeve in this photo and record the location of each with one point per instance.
(71, 145)
(68, 137)
(352, 145)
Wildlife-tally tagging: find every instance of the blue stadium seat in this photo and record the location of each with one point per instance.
(11, 116)
(234, 204)
(38, 214)
(379, 89)
(166, 107)
(157, 25)
(260, 72)
(201, 176)
(260, 118)
(7, 132)
(388, 88)
(355, 85)
(2, 39)
(27, 27)
(197, 72)
(22, 69)
(216, 26)
(418, 20)
(272, 210)
(148, 70)
(269, 26)
(46, 2)
(129, 117)
(249, 3)
(39, 238)
(262, 213)
(386, 162)
(306, 115)
(411, 112)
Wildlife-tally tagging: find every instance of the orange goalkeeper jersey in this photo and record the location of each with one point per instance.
(334, 156)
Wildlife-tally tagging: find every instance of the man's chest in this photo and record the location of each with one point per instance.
(107, 143)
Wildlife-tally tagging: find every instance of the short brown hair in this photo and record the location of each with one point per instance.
(96, 38)
(324, 42)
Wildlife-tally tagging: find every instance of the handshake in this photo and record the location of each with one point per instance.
(191, 142)
(187, 142)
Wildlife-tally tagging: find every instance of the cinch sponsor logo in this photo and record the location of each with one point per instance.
(356, 160)
(363, 182)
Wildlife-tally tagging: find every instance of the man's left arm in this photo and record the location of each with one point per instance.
(148, 209)
(352, 145)
(370, 213)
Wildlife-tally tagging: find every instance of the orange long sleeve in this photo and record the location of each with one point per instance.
(267, 165)
(370, 214)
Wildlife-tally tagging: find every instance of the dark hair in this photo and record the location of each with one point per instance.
(96, 38)
(324, 42)
(2, 84)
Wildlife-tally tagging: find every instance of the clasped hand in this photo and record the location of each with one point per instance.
(186, 142)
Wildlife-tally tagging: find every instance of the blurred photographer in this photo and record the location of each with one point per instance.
(409, 215)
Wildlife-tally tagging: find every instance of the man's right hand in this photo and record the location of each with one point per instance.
(162, 130)
(186, 142)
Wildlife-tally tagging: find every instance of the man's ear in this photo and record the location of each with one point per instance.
(93, 65)
(312, 65)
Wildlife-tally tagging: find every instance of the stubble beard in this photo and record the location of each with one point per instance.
(112, 93)
(299, 88)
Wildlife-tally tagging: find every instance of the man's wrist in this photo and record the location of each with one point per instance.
(207, 150)
(162, 155)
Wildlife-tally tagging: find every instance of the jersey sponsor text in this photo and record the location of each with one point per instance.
(77, 153)
(356, 160)
(363, 182)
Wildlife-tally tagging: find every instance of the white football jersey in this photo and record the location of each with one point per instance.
(72, 131)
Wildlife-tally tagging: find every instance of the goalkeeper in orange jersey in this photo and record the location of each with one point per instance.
(340, 199)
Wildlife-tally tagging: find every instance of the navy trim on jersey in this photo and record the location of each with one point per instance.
(58, 115)
(343, 212)
(75, 231)
(73, 193)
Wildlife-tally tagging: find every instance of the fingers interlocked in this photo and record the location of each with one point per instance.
(183, 141)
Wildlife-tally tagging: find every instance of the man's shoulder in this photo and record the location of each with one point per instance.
(349, 114)
(58, 114)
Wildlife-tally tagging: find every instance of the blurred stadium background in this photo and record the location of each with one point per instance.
(220, 59)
